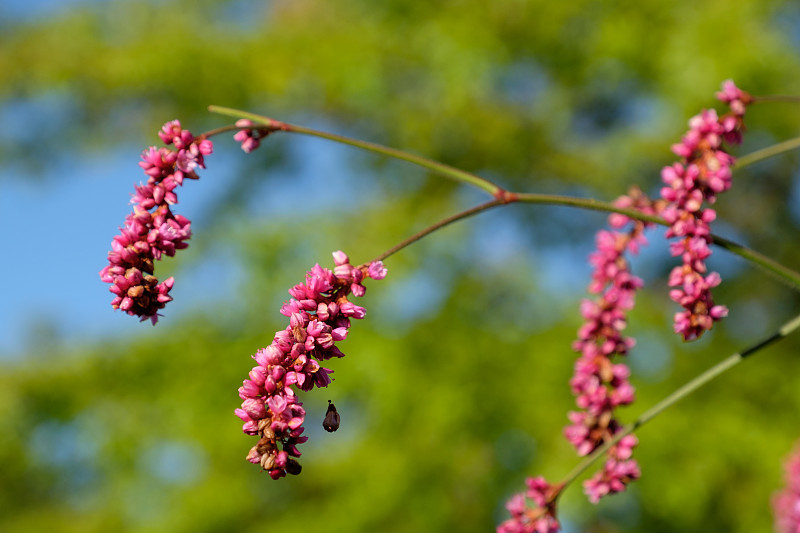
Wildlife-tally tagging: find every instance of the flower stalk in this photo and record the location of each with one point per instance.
(434, 166)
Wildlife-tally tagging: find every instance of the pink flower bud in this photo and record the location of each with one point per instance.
(340, 258)
(377, 270)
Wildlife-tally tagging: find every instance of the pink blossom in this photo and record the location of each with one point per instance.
(249, 138)
(703, 172)
(152, 229)
(786, 503)
(539, 518)
(738, 100)
(618, 470)
(600, 384)
(319, 316)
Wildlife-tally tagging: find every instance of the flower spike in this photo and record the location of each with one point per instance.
(152, 229)
(319, 316)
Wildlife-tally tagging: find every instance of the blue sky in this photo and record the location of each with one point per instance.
(51, 281)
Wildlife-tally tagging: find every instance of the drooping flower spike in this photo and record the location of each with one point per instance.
(703, 172)
(319, 316)
(600, 382)
(152, 229)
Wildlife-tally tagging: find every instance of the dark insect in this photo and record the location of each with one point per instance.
(331, 422)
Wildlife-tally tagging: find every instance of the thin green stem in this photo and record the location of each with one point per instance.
(434, 166)
(786, 274)
(682, 392)
(442, 223)
(217, 131)
(585, 203)
(777, 98)
(238, 113)
(764, 153)
(783, 273)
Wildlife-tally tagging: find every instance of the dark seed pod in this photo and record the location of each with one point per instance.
(332, 419)
(293, 467)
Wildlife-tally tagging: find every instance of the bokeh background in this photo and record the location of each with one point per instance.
(455, 387)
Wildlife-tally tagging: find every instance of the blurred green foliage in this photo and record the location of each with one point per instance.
(453, 393)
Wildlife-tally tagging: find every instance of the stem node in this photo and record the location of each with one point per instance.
(507, 197)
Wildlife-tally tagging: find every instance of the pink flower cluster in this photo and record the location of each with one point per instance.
(250, 139)
(538, 519)
(618, 470)
(703, 172)
(786, 503)
(152, 229)
(599, 384)
(319, 315)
